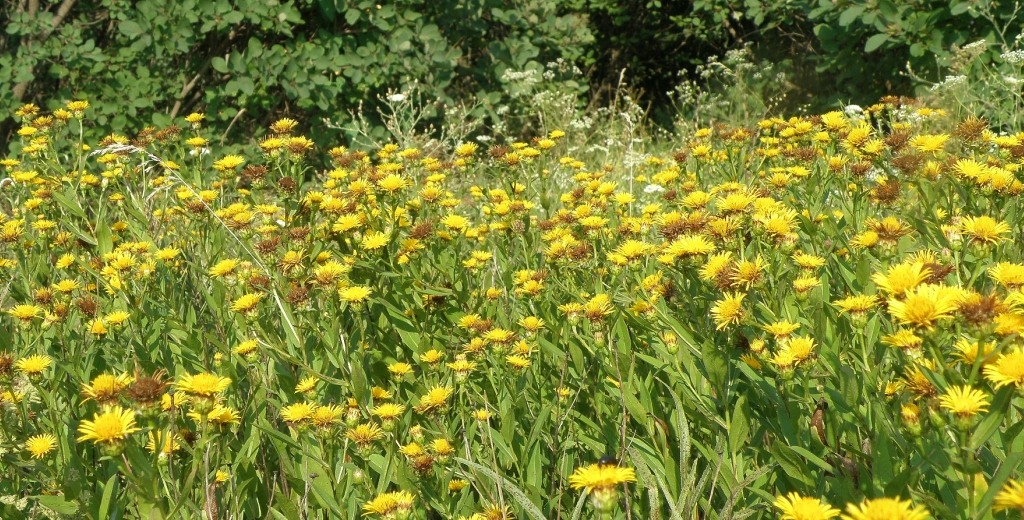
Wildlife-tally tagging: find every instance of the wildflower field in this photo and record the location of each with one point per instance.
(799, 318)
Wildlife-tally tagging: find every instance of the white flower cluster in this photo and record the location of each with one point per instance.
(949, 82)
(1013, 57)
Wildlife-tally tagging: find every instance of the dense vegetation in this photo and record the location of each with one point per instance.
(329, 63)
(792, 317)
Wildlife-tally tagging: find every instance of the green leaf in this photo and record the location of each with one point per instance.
(793, 466)
(57, 504)
(130, 29)
(739, 426)
(850, 14)
(108, 493)
(875, 42)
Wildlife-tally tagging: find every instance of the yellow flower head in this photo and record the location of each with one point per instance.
(984, 230)
(601, 477)
(110, 426)
(964, 401)
(40, 445)
(796, 507)
(924, 305)
(728, 310)
(106, 387)
(885, 509)
(396, 504)
(33, 365)
(203, 384)
(435, 399)
(1008, 369)
(1011, 496)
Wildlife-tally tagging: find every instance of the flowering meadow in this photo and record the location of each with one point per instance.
(798, 318)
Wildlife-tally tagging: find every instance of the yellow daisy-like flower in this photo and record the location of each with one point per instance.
(455, 222)
(355, 294)
(110, 426)
(390, 505)
(388, 411)
(885, 509)
(1007, 274)
(781, 329)
(1008, 369)
(901, 278)
(435, 399)
(224, 268)
(306, 385)
(364, 434)
(24, 313)
(728, 310)
(298, 413)
(202, 384)
(106, 387)
(33, 365)
(229, 162)
(40, 446)
(597, 477)
(373, 240)
(246, 303)
(924, 305)
(796, 507)
(984, 230)
(964, 401)
(929, 142)
(1011, 496)
(326, 416)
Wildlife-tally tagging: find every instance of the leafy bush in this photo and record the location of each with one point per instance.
(243, 63)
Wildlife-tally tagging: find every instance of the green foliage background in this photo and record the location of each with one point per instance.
(245, 62)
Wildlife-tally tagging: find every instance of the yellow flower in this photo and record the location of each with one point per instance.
(110, 426)
(326, 416)
(1011, 496)
(224, 268)
(106, 387)
(728, 310)
(434, 399)
(163, 443)
(364, 434)
(33, 365)
(1008, 369)
(924, 305)
(283, 126)
(901, 278)
(229, 162)
(781, 329)
(40, 445)
(392, 183)
(388, 411)
(455, 222)
(964, 401)
(1007, 274)
(355, 294)
(306, 385)
(246, 303)
(596, 477)
(203, 384)
(796, 507)
(885, 509)
(298, 413)
(929, 142)
(373, 240)
(984, 230)
(24, 312)
(397, 504)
